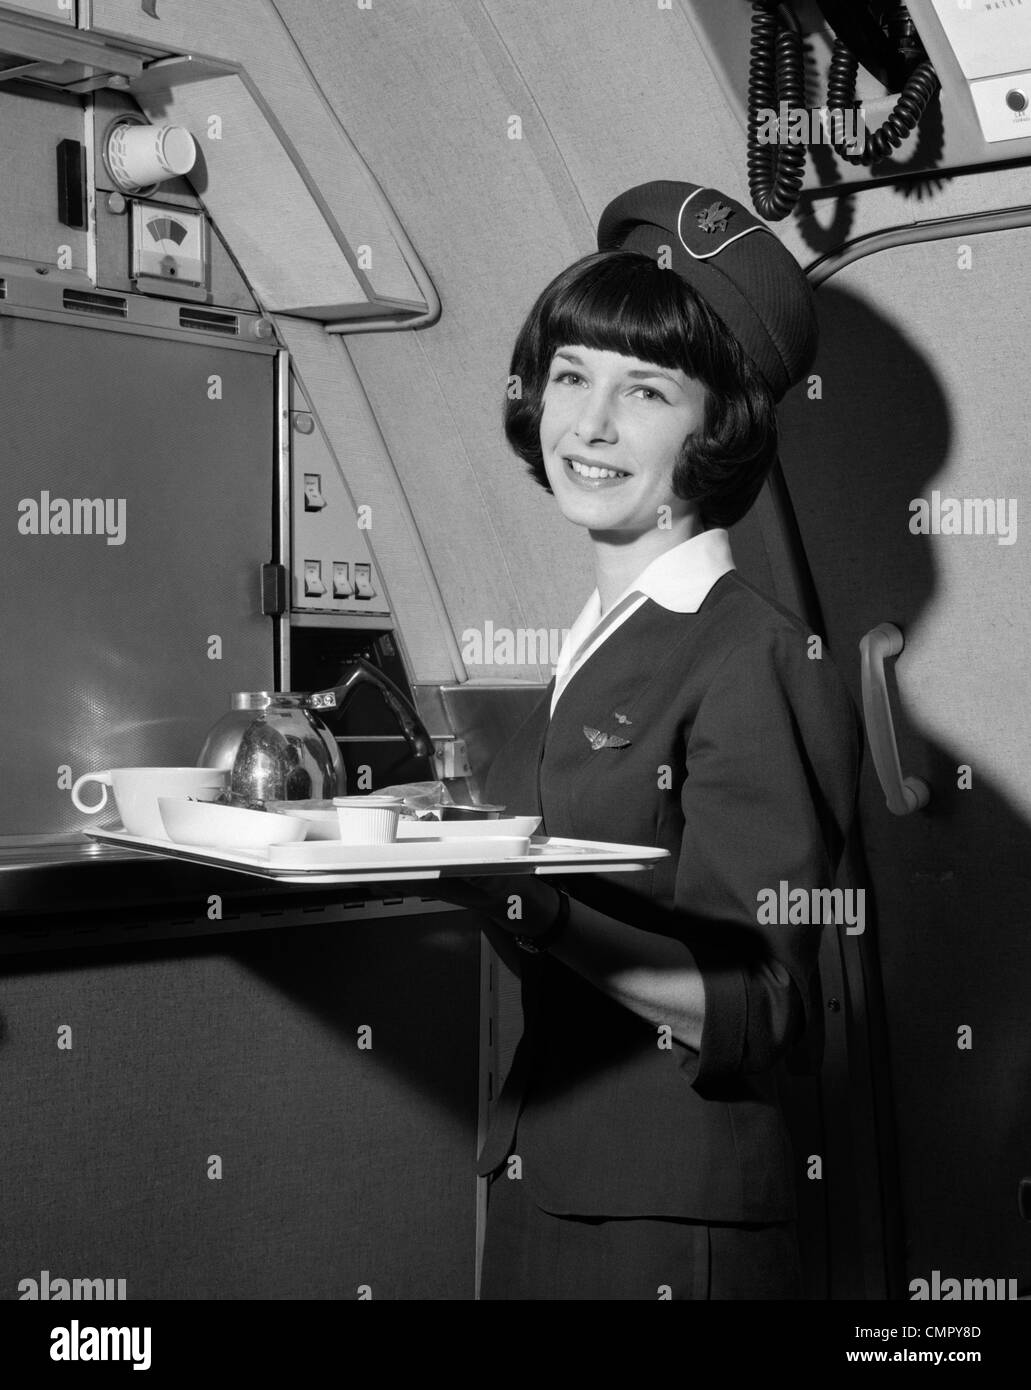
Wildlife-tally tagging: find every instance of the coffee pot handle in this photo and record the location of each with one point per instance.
(363, 672)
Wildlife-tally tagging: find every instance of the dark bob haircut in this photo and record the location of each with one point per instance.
(623, 301)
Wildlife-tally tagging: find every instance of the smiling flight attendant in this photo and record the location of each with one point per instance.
(686, 712)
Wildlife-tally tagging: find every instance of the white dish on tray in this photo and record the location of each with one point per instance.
(322, 824)
(226, 827)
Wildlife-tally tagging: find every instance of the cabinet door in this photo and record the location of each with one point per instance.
(61, 10)
(137, 472)
(184, 26)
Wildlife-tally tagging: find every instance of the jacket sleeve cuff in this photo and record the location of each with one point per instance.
(765, 997)
(725, 1027)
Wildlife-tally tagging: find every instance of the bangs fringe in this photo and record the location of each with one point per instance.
(626, 303)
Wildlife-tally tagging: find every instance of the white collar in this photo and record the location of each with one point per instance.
(678, 580)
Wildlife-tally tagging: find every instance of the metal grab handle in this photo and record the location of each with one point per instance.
(903, 794)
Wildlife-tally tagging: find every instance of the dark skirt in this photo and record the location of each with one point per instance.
(534, 1254)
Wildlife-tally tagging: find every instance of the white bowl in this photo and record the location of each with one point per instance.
(227, 827)
(322, 825)
(368, 820)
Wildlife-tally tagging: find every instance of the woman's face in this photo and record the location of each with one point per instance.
(612, 428)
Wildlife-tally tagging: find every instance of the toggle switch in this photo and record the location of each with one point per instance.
(313, 585)
(363, 582)
(342, 586)
(313, 498)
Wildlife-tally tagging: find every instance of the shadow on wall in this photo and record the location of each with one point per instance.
(951, 882)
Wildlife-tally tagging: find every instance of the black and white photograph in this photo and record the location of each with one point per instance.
(515, 659)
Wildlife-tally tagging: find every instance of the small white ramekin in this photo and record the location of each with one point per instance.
(368, 820)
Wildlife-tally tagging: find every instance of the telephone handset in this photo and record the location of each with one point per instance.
(877, 33)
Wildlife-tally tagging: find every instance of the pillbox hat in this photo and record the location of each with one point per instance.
(733, 261)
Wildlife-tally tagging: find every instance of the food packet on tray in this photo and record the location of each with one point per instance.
(422, 800)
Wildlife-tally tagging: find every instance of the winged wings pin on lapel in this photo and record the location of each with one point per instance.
(598, 740)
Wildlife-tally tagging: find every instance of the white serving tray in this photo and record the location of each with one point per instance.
(421, 859)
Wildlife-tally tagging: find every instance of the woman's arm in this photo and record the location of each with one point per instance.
(653, 976)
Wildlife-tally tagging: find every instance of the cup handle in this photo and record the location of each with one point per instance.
(104, 778)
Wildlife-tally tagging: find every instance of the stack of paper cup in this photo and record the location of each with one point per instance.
(140, 154)
(368, 820)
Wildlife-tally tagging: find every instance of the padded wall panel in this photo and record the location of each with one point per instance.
(924, 390)
(340, 1166)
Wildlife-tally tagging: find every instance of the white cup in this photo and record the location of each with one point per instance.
(368, 820)
(141, 155)
(136, 791)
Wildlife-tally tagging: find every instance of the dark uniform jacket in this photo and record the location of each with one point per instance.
(742, 761)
